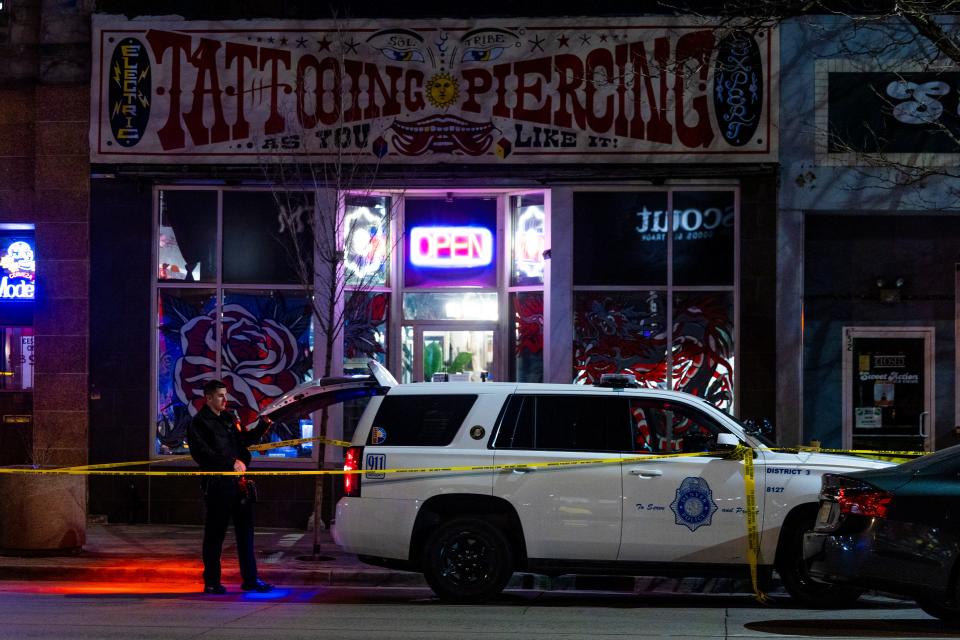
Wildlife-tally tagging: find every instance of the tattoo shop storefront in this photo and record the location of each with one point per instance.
(520, 199)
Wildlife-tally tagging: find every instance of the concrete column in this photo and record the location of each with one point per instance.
(61, 318)
(789, 327)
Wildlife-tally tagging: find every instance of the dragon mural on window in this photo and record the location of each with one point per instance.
(626, 333)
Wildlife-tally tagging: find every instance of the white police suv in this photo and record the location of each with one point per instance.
(627, 513)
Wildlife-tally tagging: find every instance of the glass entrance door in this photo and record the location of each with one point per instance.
(462, 353)
(888, 388)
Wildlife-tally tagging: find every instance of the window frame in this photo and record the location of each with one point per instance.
(219, 288)
(670, 290)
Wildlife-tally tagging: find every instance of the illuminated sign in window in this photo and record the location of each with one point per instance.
(365, 242)
(450, 242)
(529, 242)
(451, 247)
(17, 268)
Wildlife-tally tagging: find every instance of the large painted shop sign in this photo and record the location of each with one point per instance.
(496, 91)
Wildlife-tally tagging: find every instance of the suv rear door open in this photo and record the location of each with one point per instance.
(317, 395)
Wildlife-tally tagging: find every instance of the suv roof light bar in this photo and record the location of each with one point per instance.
(618, 381)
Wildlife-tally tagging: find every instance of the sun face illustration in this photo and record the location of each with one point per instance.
(442, 90)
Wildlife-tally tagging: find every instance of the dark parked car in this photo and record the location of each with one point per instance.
(895, 530)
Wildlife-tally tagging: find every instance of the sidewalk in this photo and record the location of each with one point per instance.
(171, 554)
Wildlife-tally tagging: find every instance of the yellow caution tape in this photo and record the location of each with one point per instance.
(314, 472)
(186, 456)
(753, 531)
(867, 452)
(741, 452)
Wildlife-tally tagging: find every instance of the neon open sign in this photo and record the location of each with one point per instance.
(451, 247)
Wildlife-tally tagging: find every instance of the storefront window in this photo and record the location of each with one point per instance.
(703, 238)
(406, 348)
(678, 334)
(528, 222)
(450, 306)
(247, 320)
(187, 236)
(366, 318)
(620, 238)
(17, 358)
(703, 346)
(366, 239)
(620, 332)
(186, 340)
(257, 244)
(526, 339)
(266, 349)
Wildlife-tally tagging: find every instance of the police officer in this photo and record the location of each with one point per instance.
(218, 443)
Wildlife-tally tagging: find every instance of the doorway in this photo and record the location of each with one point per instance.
(464, 352)
(888, 388)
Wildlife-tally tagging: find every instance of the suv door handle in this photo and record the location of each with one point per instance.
(643, 472)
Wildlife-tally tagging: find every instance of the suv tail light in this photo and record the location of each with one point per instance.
(856, 497)
(352, 461)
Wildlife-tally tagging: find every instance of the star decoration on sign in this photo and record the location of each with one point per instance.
(351, 47)
(584, 39)
(270, 39)
(603, 37)
(564, 41)
(283, 40)
(536, 43)
(301, 42)
(323, 45)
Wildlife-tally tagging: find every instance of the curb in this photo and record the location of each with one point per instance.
(346, 577)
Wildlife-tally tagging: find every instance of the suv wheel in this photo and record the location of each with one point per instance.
(793, 571)
(467, 560)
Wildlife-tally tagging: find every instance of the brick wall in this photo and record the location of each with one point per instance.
(44, 180)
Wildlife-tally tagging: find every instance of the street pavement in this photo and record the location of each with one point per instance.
(143, 581)
(44, 610)
(171, 553)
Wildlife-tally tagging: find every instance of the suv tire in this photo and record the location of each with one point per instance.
(466, 560)
(793, 570)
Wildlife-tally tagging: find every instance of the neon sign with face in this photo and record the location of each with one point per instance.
(18, 271)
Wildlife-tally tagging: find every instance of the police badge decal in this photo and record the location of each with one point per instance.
(694, 506)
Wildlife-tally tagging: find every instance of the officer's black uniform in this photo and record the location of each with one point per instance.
(216, 442)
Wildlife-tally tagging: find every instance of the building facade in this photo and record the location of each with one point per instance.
(867, 237)
(537, 199)
(44, 219)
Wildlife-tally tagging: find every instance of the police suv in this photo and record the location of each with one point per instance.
(629, 512)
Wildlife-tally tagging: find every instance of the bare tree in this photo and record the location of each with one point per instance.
(335, 228)
(919, 35)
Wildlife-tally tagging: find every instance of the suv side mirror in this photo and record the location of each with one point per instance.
(727, 441)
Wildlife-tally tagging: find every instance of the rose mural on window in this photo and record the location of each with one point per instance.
(258, 358)
(264, 352)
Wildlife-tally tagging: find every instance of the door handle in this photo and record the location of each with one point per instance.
(645, 473)
(923, 431)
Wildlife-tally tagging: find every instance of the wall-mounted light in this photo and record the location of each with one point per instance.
(890, 289)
